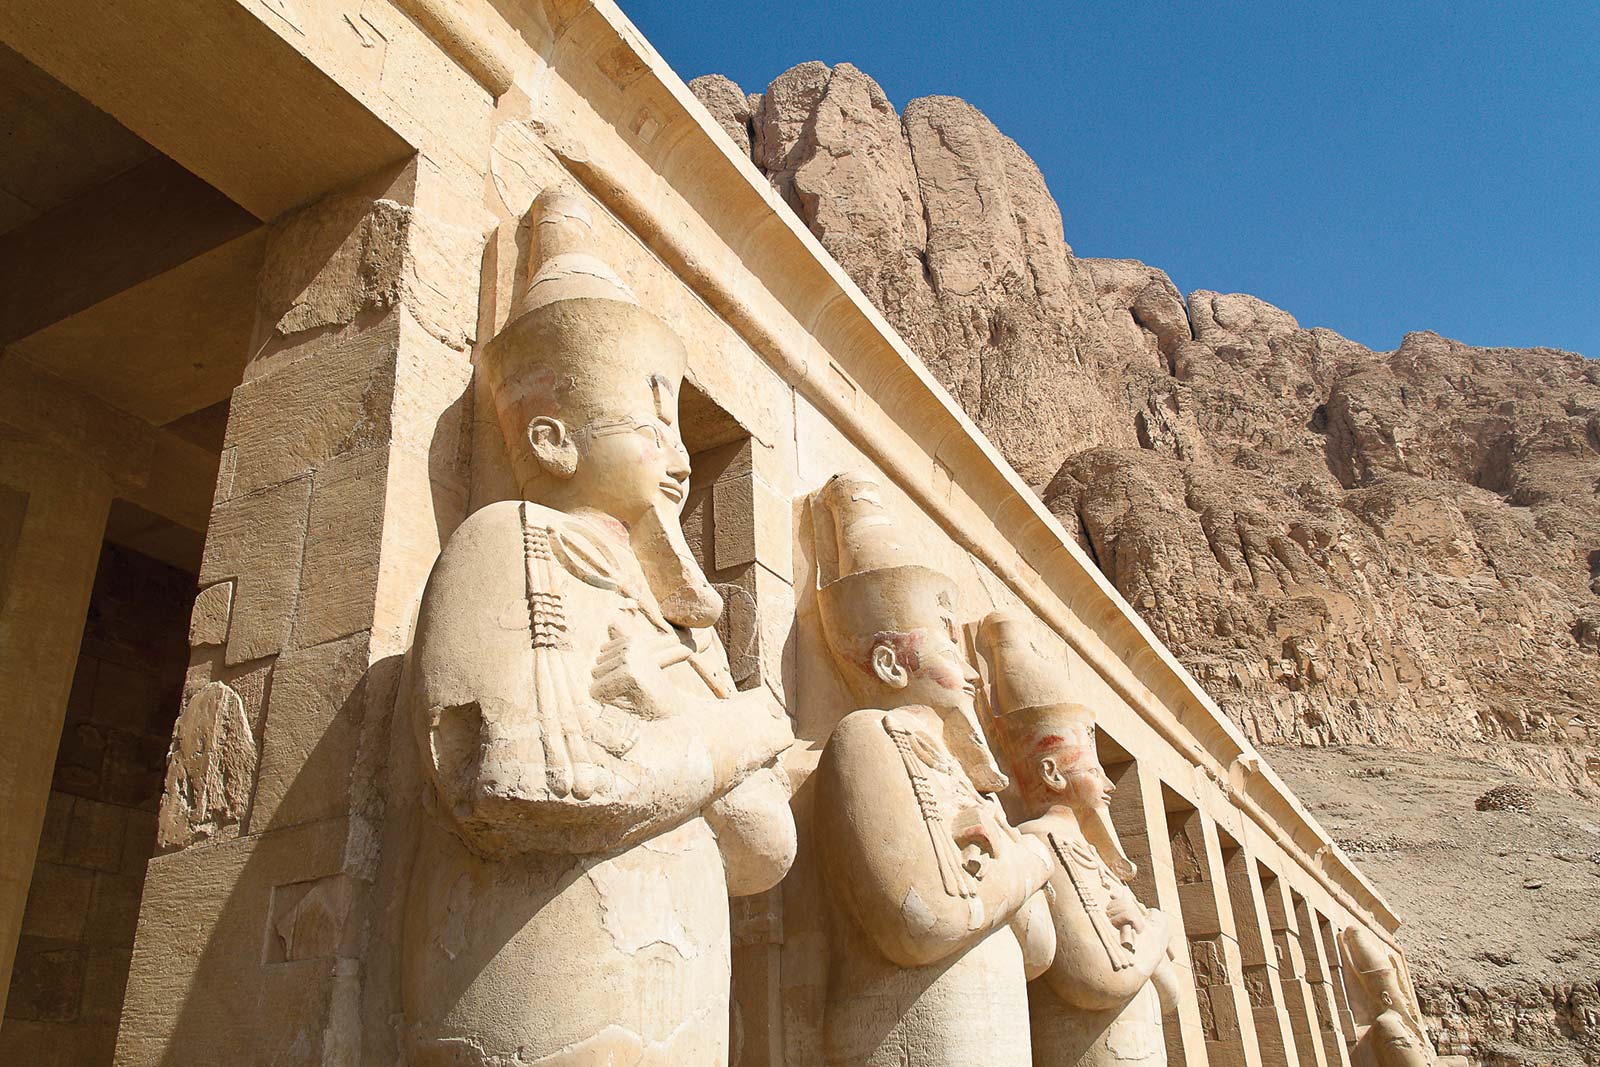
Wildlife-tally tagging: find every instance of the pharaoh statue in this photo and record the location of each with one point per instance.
(598, 787)
(927, 879)
(1389, 1029)
(1101, 1000)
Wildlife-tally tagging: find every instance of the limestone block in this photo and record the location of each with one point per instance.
(339, 576)
(308, 919)
(204, 922)
(344, 255)
(95, 836)
(58, 902)
(257, 540)
(212, 608)
(46, 986)
(300, 415)
(210, 769)
(752, 522)
(114, 911)
(313, 722)
(426, 494)
(775, 620)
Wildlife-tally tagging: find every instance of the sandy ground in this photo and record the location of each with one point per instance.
(1501, 908)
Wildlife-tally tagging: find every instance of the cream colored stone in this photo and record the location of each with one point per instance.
(257, 541)
(926, 873)
(212, 608)
(314, 715)
(210, 769)
(1389, 1030)
(344, 530)
(1097, 1004)
(561, 714)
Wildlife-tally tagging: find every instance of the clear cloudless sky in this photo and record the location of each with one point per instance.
(1371, 167)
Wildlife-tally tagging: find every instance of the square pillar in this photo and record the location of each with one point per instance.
(1258, 955)
(1186, 1044)
(1319, 975)
(342, 473)
(1292, 971)
(1213, 942)
(53, 507)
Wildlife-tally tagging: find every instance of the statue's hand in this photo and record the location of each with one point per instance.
(629, 673)
(1124, 910)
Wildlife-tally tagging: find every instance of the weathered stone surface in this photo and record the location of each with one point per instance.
(727, 104)
(210, 769)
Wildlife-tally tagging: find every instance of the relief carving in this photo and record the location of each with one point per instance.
(1389, 1031)
(598, 785)
(1100, 1000)
(210, 768)
(929, 882)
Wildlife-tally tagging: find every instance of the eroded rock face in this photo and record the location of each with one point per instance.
(1343, 545)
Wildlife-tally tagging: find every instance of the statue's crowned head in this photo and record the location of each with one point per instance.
(585, 381)
(891, 624)
(585, 384)
(1381, 983)
(1047, 738)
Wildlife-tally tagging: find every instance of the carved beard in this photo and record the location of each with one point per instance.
(965, 740)
(1098, 831)
(681, 587)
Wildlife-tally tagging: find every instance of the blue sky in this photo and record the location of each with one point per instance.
(1370, 167)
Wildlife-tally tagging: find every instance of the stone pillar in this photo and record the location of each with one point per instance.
(1320, 978)
(1345, 1018)
(1186, 1042)
(1263, 987)
(53, 508)
(342, 472)
(1197, 861)
(1292, 972)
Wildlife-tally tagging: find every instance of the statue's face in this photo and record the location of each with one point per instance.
(627, 466)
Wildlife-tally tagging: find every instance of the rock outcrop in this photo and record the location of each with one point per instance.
(1344, 546)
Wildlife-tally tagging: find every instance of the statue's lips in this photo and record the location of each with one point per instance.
(673, 491)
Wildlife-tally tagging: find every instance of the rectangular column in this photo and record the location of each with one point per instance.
(341, 475)
(1258, 956)
(1292, 970)
(1213, 943)
(1320, 977)
(53, 507)
(1341, 996)
(1186, 1043)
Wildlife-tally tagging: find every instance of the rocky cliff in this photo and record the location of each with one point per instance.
(1344, 546)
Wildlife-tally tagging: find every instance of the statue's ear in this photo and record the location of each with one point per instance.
(1050, 771)
(553, 446)
(887, 666)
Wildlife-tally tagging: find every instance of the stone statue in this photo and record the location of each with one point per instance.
(926, 875)
(1389, 1029)
(1100, 1001)
(598, 787)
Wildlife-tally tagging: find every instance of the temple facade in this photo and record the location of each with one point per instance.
(481, 586)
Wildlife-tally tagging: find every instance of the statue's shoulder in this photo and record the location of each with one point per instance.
(503, 535)
(861, 728)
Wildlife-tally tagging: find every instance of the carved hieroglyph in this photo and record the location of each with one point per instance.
(926, 875)
(1389, 1030)
(598, 787)
(1096, 1005)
